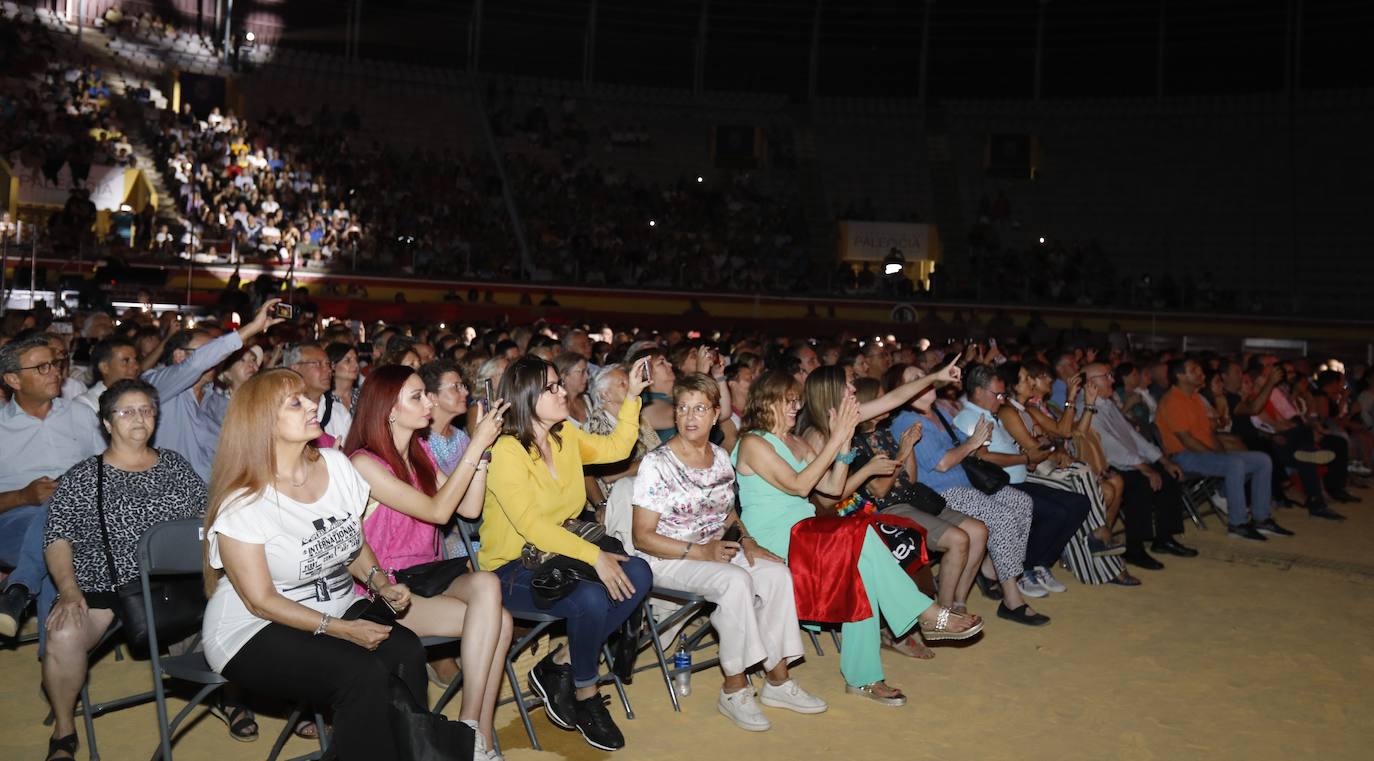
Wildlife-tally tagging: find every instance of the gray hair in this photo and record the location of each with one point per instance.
(11, 352)
(976, 376)
(568, 338)
(601, 381)
(291, 353)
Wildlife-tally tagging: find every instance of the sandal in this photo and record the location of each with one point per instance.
(911, 646)
(306, 729)
(867, 691)
(242, 724)
(940, 630)
(62, 745)
(962, 609)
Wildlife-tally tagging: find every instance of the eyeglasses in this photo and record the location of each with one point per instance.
(129, 413)
(693, 410)
(43, 368)
(1101, 375)
(442, 387)
(555, 387)
(793, 402)
(323, 363)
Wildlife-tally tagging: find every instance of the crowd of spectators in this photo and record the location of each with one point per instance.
(592, 219)
(1089, 438)
(308, 185)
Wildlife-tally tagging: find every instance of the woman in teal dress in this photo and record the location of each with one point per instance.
(777, 470)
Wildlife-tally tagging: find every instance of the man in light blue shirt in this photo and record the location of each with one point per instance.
(1056, 515)
(185, 422)
(41, 436)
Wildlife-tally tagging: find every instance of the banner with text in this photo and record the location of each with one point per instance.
(871, 241)
(108, 186)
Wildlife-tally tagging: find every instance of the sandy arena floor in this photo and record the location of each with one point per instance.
(1250, 652)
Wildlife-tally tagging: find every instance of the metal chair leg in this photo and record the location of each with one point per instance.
(88, 717)
(661, 657)
(519, 696)
(615, 679)
(815, 642)
(835, 637)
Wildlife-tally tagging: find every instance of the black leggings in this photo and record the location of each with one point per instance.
(327, 671)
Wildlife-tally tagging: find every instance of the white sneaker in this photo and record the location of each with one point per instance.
(479, 744)
(1047, 580)
(1029, 586)
(739, 707)
(791, 696)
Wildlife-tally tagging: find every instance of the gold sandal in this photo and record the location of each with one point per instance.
(941, 630)
(867, 691)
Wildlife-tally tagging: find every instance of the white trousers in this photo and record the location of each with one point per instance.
(756, 613)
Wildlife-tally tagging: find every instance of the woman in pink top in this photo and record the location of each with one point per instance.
(410, 500)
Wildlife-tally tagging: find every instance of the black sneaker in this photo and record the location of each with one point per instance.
(1269, 528)
(553, 683)
(595, 724)
(14, 602)
(1245, 531)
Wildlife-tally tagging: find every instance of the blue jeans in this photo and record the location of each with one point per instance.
(590, 613)
(21, 548)
(1236, 468)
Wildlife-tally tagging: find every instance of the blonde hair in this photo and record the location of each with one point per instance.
(245, 463)
(824, 391)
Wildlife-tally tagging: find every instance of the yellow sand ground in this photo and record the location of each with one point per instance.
(1250, 652)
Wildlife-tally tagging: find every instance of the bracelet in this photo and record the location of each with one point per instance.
(687, 550)
(846, 457)
(368, 581)
(472, 465)
(325, 618)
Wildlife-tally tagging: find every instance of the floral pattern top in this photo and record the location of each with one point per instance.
(694, 504)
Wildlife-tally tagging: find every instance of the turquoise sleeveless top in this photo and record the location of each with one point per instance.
(663, 433)
(768, 512)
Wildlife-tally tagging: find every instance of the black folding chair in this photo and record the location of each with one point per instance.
(539, 622)
(690, 605)
(173, 548)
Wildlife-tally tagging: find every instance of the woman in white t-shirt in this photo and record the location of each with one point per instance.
(284, 543)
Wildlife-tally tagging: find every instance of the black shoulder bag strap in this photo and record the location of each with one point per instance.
(328, 409)
(100, 510)
(948, 428)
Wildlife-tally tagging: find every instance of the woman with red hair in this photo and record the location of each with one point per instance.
(411, 499)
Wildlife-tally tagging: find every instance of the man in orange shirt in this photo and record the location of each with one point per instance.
(1189, 440)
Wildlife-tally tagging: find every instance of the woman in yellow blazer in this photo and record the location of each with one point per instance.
(534, 484)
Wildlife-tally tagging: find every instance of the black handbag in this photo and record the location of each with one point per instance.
(373, 609)
(177, 604)
(424, 736)
(982, 475)
(555, 577)
(433, 578)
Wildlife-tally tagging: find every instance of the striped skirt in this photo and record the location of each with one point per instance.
(1078, 478)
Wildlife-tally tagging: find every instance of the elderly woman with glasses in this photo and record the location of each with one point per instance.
(685, 523)
(534, 487)
(101, 508)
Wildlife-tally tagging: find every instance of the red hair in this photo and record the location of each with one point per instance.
(371, 432)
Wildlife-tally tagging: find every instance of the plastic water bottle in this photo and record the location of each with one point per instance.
(682, 664)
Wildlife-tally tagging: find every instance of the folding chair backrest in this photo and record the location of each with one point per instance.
(619, 517)
(467, 540)
(172, 547)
